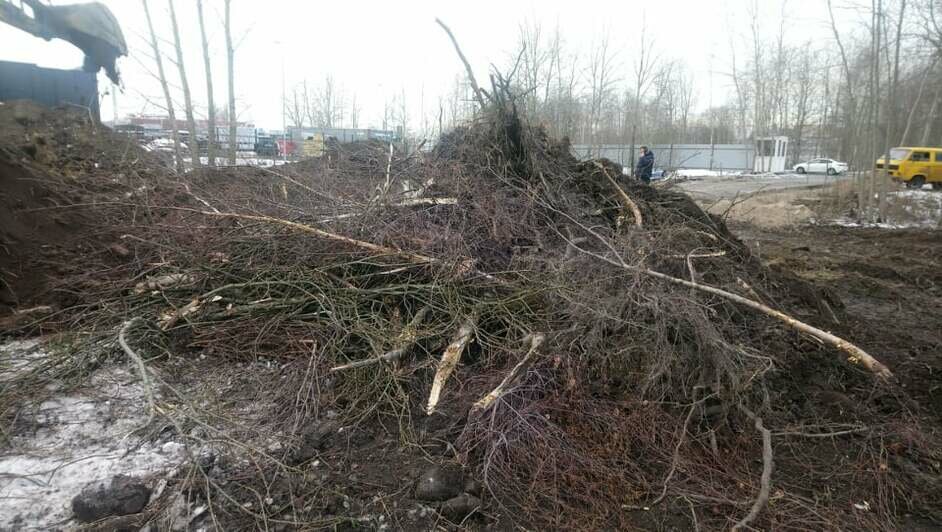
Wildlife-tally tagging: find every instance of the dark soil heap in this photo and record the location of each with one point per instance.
(54, 165)
(635, 401)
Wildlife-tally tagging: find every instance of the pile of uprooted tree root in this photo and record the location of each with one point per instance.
(598, 353)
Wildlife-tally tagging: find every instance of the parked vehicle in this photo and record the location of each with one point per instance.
(821, 166)
(915, 166)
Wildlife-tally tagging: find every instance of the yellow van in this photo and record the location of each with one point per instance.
(915, 166)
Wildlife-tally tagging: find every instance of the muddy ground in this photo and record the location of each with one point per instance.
(890, 282)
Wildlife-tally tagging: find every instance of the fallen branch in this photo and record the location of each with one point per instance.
(169, 319)
(449, 361)
(410, 202)
(674, 460)
(467, 66)
(693, 255)
(629, 203)
(163, 282)
(403, 343)
(485, 402)
(856, 355)
(766, 481)
(369, 246)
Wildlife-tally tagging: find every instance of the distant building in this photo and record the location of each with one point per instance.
(311, 141)
(767, 154)
(160, 126)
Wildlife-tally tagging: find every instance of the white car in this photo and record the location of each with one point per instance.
(821, 166)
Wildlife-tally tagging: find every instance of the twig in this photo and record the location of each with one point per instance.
(388, 169)
(674, 459)
(449, 361)
(409, 202)
(766, 481)
(403, 343)
(300, 184)
(485, 402)
(624, 196)
(693, 255)
(745, 286)
(186, 186)
(141, 368)
(467, 66)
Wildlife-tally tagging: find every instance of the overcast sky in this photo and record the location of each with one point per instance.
(380, 48)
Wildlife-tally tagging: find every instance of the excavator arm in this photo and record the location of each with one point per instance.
(91, 27)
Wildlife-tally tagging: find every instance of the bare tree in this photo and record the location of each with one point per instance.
(643, 69)
(931, 117)
(210, 106)
(803, 89)
(915, 105)
(354, 112)
(891, 109)
(688, 99)
(874, 104)
(601, 81)
(178, 157)
(230, 56)
(295, 110)
(324, 103)
(187, 101)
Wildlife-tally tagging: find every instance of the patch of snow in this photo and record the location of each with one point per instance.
(241, 161)
(18, 358)
(699, 172)
(64, 443)
(846, 222)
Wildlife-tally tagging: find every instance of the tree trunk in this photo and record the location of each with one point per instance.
(891, 112)
(211, 109)
(187, 102)
(912, 110)
(177, 156)
(930, 118)
(230, 55)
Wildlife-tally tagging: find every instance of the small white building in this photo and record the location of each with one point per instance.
(771, 153)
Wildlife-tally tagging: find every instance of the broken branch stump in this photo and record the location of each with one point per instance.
(449, 361)
(485, 402)
(403, 343)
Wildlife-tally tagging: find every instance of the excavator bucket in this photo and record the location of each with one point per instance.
(91, 27)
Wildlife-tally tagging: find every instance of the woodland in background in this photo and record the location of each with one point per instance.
(844, 97)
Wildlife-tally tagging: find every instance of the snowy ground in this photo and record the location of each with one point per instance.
(241, 161)
(77, 437)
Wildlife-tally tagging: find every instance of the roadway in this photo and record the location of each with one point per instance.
(728, 187)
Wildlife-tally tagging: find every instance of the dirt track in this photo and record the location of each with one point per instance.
(715, 189)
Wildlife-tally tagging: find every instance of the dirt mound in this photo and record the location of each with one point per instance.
(586, 347)
(58, 170)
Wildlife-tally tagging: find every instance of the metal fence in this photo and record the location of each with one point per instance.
(725, 157)
(48, 86)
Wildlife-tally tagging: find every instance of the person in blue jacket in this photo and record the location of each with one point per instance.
(645, 165)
